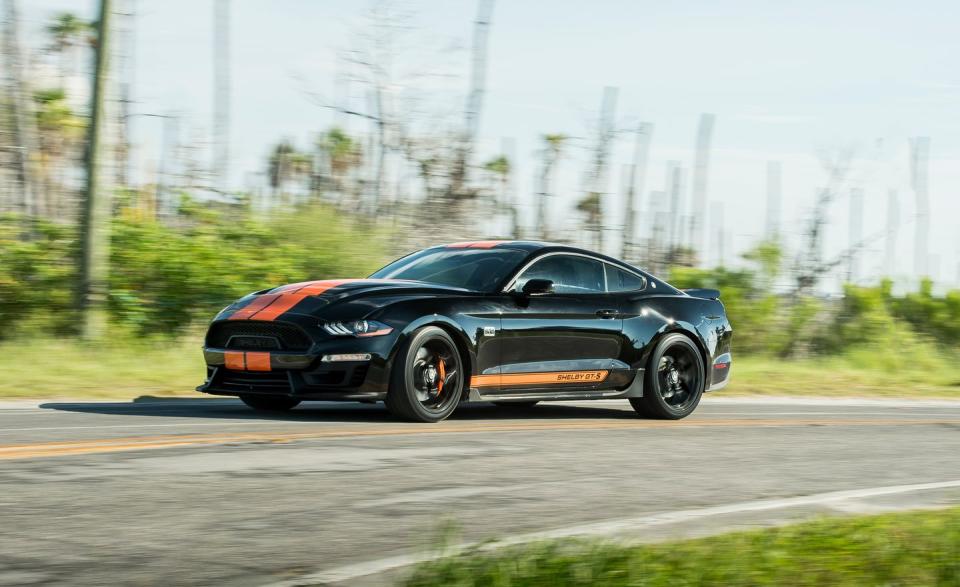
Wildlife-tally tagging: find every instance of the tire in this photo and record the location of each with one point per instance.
(270, 403)
(674, 380)
(426, 359)
(517, 404)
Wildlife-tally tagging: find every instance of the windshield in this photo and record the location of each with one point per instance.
(475, 269)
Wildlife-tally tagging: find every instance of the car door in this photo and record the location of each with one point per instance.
(569, 339)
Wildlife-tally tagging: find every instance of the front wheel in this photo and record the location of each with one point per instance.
(270, 403)
(674, 380)
(427, 377)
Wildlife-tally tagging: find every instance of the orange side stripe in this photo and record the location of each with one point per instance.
(258, 361)
(235, 361)
(544, 378)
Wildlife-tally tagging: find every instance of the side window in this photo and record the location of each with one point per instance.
(620, 280)
(570, 274)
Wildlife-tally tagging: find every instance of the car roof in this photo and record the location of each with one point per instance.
(529, 246)
(535, 247)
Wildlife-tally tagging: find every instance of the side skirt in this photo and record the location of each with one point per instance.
(635, 389)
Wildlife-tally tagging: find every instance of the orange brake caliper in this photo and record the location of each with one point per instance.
(443, 375)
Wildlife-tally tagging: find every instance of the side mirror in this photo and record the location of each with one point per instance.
(537, 287)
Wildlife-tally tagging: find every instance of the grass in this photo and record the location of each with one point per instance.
(916, 548)
(849, 376)
(125, 368)
(118, 369)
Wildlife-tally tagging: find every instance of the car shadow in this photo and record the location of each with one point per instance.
(231, 409)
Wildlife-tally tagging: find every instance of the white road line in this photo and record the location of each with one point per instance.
(608, 528)
(775, 400)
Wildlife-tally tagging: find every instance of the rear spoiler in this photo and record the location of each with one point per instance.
(710, 294)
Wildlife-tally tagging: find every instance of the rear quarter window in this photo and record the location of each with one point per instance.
(619, 280)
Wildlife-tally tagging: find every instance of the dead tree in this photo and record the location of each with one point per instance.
(552, 150)
(221, 94)
(774, 198)
(481, 31)
(637, 179)
(810, 266)
(95, 225)
(592, 203)
(701, 166)
(855, 233)
(919, 169)
(893, 228)
(21, 114)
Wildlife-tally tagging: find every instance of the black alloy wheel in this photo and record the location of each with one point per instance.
(675, 380)
(427, 379)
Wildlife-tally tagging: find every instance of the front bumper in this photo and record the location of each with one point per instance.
(303, 374)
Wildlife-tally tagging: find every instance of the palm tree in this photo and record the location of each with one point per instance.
(553, 148)
(343, 154)
(68, 32)
(591, 205)
(286, 164)
(499, 167)
(59, 137)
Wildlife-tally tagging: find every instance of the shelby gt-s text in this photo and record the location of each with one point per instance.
(505, 321)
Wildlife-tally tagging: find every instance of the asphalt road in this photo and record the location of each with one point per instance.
(207, 492)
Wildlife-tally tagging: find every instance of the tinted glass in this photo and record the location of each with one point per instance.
(569, 274)
(620, 280)
(476, 269)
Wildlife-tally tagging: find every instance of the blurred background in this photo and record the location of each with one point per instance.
(160, 159)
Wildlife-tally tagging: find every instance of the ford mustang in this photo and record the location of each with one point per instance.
(511, 322)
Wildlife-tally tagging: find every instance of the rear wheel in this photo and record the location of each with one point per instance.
(674, 380)
(270, 403)
(426, 381)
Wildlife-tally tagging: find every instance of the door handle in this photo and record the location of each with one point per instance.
(608, 313)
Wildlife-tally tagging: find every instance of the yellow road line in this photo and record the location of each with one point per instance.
(130, 443)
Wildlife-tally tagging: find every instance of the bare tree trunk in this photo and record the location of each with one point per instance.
(774, 191)
(459, 175)
(550, 159)
(638, 174)
(125, 71)
(95, 226)
(919, 167)
(597, 175)
(23, 142)
(855, 235)
(893, 226)
(698, 192)
(221, 94)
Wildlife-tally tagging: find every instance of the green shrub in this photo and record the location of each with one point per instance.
(164, 279)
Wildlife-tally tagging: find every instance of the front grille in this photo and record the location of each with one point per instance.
(250, 335)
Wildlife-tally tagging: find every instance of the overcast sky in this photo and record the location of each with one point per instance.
(785, 80)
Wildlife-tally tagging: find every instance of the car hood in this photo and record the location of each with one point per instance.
(315, 298)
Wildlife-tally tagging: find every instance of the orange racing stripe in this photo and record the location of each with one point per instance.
(476, 244)
(255, 306)
(543, 378)
(235, 361)
(258, 361)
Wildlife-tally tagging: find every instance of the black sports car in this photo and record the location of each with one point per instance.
(513, 322)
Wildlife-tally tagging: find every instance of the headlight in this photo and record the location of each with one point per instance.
(357, 328)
